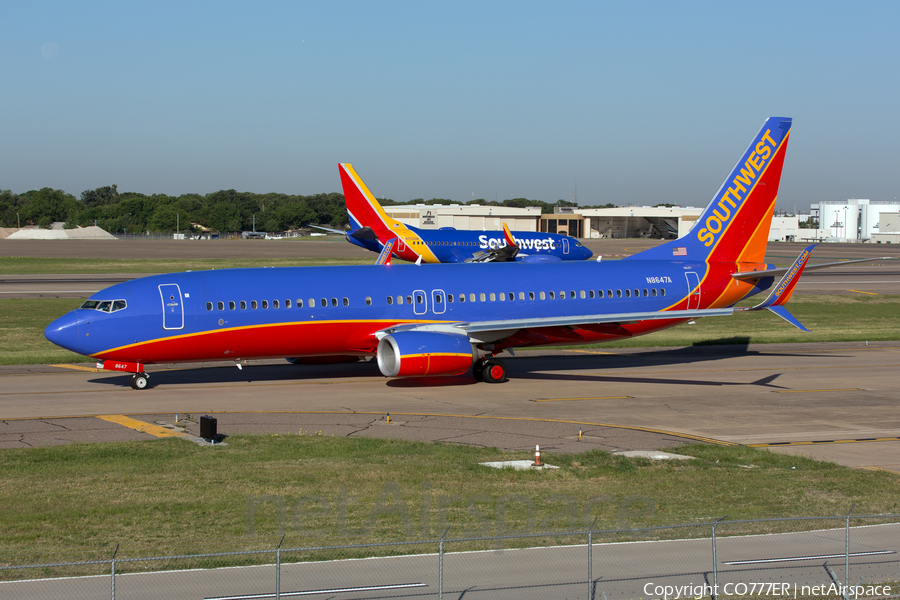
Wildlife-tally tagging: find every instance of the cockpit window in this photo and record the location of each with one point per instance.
(104, 305)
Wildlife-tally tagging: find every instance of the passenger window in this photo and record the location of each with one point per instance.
(369, 300)
(521, 295)
(553, 295)
(419, 299)
(512, 296)
(618, 293)
(299, 302)
(265, 304)
(334, 301)
(231, 305)
(399, 299)
(481, 297)
(471, 297)
(637, 292)
(287, 303)
(562, 295)
(274, 303)
(438, 299)
(462, 297)
(243, 305)
(609, 293)
(591, 292)
(209, 306)
(390, 300)
(628, 293)
(654, 292)
(253, 304)
(531, 295)
(450, 298)
(599, 293)
(312, 303)
(646, 292)
(220, 305)
(662, 291)
(409, 299)
(543, 296)
(324, 302)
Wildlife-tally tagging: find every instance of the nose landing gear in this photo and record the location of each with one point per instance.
(139, 381)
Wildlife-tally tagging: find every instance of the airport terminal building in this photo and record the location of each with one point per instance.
(620, 222)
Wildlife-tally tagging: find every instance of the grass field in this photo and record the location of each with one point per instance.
(172, 496)
(835, 318)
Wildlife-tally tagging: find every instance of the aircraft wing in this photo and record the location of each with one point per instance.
(492, 331)
(505, 254)
(780, 272)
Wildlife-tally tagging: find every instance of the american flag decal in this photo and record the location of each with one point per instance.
(679, 251)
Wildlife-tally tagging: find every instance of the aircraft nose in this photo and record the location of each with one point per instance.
(64, 331)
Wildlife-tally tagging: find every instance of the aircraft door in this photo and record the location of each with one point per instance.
(172, 306)
(401, 244)
(438, 302)
(565, 245)
(420, 302)
(693, 283)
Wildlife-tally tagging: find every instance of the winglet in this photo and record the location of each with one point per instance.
(508, 236)
(784, 289)
(385, 257)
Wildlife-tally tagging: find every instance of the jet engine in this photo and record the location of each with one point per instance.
(421, 353)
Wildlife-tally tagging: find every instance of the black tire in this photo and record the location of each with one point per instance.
(478, 370)
(494, 371)
(139, 381)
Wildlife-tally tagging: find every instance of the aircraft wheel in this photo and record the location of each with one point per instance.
(139, 381)
(494, 371)
(478, 370)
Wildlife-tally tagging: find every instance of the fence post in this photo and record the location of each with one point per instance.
(112, 573)
(278, 569)
(715, 590)
(441, 564)
(847, 550)
(591, 560)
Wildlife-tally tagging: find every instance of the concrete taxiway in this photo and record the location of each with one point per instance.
(835, 402)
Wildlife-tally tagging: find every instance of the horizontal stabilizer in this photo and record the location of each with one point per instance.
(746, 275)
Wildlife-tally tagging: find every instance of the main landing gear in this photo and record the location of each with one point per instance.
(489, 370)
(139, 381)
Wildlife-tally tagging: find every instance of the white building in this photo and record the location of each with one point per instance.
(466, 216)
(888, 229)
(853, 220)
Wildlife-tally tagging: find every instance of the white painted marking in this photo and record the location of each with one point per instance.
(816, 557)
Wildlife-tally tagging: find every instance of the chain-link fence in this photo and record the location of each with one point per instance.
(847, 557)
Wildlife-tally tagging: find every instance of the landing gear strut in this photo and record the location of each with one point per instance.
(491, 370)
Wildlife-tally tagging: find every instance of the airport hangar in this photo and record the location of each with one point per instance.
(618, 223)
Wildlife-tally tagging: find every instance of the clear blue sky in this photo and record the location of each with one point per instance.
(639, 102)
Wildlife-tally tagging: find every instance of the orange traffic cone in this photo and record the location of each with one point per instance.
(537, 456)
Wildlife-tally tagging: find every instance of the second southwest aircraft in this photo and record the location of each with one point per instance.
(371, 228)
(445, 321)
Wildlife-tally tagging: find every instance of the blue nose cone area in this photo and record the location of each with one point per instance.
(64, 332)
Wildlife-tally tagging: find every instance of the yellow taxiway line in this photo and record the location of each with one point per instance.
(149, 428)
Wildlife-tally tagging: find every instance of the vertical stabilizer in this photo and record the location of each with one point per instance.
(734, 226)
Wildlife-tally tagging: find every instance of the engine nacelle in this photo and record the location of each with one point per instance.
(421, 353)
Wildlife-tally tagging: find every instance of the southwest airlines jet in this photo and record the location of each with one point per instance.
(371, 228)
(421, 321)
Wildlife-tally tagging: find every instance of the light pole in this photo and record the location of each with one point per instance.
(18, 224)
